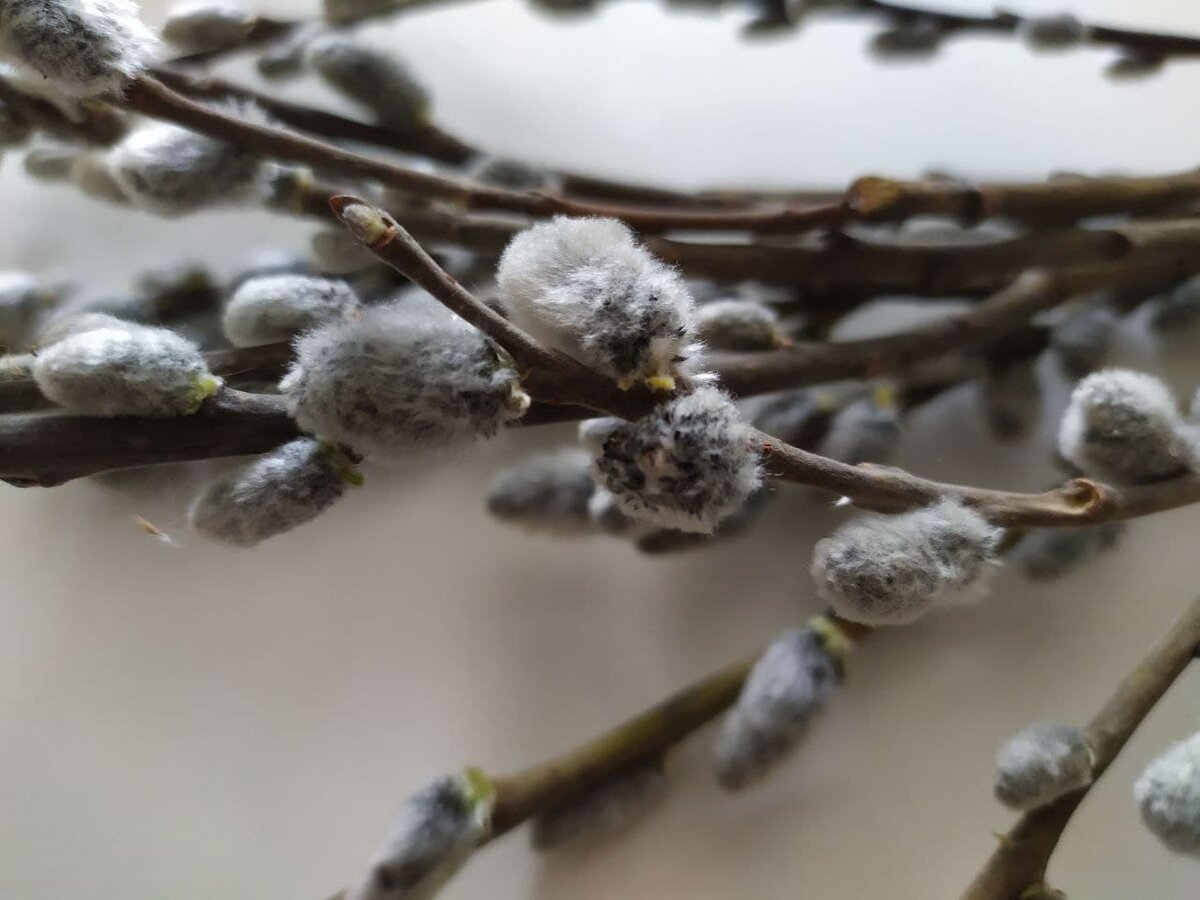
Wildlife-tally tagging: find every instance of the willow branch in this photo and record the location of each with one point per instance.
(153, 98)
(97, 124)
(1021, 859)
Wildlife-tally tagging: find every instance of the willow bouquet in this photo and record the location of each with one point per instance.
(690, 335)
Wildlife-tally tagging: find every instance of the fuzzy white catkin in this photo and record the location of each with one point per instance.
(587, 288)
(374, 78)
(1010, 399)
(1049, 553)
(738, 325)
(1168, 795)
(278, 307)
(85, 48)
(395, 380)
(548, 492)
(125, 372)
(604, 808)
(511, 174)
(687, 465)
(71, 323)
(1081, 341)
(1125, 427)
(274, 493)
(787, 687)
(430, 839)
(1041, 764)
(170, 171)
(892, 570)
(208, 25)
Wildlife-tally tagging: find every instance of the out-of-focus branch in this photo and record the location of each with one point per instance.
(1022, 856)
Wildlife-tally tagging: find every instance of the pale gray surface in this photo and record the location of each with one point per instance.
(194, 723)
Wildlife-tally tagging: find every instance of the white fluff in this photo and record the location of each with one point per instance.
(787, 686)
(431, 837)
(85, 48)
(1040, 764)
(398, 379)
(125, 372)
(274, 493)
(1168, 794)
(72, 323)
(171, 171)
(208, 25)
(688, 464)
(604, 808)
(892, 570)
(278, 307)
(1125, 427)
(587, 288)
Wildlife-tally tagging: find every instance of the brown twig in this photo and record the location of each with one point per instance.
(97, 125)
(1022, 856)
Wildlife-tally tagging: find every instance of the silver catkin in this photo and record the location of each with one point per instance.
(547, 493)
(1168, 796)
(278, 307)
(1040, 764)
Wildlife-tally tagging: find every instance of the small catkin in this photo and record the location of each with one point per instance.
(787, 687)
(587, 288)
(549, 493)
(21, 299)
(51, 161)
(125, 372)
(1125, 427)
(1168, 795)
(275, 493)
(738, 325)
(1041, 764)
(1049, 553)
(1055, 32)
(865, 430)
(892, 570)
(603, 808)
(689, 464)
(208, 25)
(432, 836)
(800, 418)
(373, 78)
(1082, 340)
(278, 307)
(91, 173)
(171, 171)
(512, 174)
(85, 48)
(395, 380)
(1010, 399)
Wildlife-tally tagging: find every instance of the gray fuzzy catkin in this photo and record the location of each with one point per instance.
(864, 430)
(85, 48)
(138, 371)
(170, 171)
(603, 808)
(278, 307)
(21, 299)
(374, 78)
(548, 492)
(208, 25)
(512, 174)
(661, 541)
(1048, 553)
(1125, 427)
(64, 326)
(274, 493)
(586, 287)
(892, 570)
(737, 325)
(1010, 399)
(1082, 340)
(787, 687)
(395, 380)
(1041, 764)
(431, 837)
(687, 465)
(1168, 795)
(91, 173)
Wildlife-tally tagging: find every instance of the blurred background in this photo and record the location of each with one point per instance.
(192, 722)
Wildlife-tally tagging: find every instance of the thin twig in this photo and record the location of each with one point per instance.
(1022, 856)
